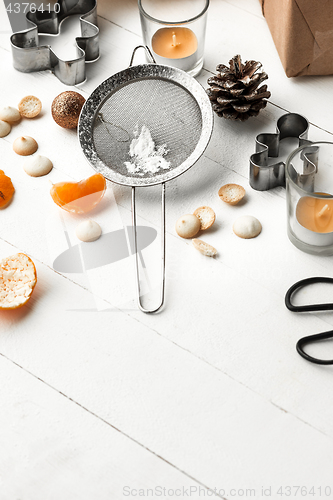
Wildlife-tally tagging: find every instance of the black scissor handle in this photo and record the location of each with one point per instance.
(314, 338)
(312, 307)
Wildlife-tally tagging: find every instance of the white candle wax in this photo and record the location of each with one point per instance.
(311, 237)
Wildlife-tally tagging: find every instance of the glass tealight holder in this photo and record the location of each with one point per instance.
(174, 31)
(309, 184)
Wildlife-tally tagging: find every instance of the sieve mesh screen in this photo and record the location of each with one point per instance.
(169, 110)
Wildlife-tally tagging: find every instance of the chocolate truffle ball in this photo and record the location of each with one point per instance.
(66, 108)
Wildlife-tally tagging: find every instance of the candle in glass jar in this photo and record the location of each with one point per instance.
(174, 43)
(315, 218)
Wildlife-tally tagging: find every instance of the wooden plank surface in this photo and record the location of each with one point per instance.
(53, 448)
(209, 392)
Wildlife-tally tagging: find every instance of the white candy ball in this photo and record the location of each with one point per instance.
(247, 227)
(88, 230)
(38, 165)
(5, 128)
(188, 226)
(25, 146)
(9, 114)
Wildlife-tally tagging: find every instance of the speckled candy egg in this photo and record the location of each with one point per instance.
(66, 108)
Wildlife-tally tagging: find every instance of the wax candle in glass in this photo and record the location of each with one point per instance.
(309, 183)
(174, 30)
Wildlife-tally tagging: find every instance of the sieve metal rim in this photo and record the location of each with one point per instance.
(126, 77)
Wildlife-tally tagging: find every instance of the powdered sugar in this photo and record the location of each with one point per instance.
(146, 157)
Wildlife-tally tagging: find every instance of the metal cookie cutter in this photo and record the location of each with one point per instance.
(263, 176)
(29, 56)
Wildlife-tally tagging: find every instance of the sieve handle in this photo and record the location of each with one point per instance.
(148, 51)
(162, 252)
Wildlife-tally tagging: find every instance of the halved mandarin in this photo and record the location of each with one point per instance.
(79, 197)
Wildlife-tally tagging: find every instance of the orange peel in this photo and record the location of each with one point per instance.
(6, 189)
(18, 279)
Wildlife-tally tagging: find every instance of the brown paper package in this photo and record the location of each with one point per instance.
(302, 31)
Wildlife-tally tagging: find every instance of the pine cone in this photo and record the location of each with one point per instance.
(235, 91)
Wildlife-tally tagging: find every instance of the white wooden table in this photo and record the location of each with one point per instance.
(98, 400)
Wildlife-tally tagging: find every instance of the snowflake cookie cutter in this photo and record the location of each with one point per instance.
(264, 176)
(29, 56)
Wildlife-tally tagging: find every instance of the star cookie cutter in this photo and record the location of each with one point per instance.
(29, 56)
(264, 176)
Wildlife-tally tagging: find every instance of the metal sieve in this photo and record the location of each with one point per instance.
(171, 104)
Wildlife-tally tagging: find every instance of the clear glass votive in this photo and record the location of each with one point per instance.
(174, 31)
(309, 184)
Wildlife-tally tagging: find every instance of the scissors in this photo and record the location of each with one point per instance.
(310, 308)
